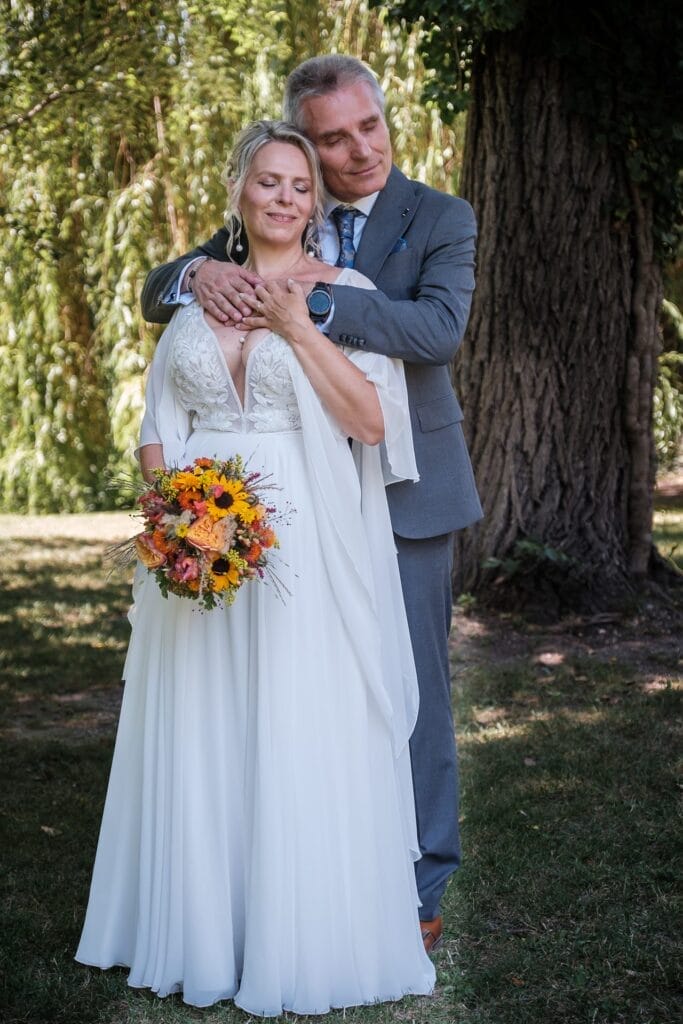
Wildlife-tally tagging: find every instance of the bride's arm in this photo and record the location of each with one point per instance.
(165, 424)
(151, 457)
(343, 389)
(150, 452)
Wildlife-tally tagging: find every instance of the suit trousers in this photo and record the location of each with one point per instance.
(425, 566)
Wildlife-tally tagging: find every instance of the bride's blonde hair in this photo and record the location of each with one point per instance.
(247, 144)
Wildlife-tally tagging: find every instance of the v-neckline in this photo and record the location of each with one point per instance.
(241, 402)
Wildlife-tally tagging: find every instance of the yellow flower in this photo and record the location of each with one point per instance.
(231, 499)
(208, 479)
(224, 573)
(221, 583)
(183, 480)
(249, 514)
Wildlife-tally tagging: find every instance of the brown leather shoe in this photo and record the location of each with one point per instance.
(432, 934)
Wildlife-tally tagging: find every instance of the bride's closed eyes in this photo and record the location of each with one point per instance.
(299, 186)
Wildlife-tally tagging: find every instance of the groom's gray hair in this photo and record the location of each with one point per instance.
(320, 76)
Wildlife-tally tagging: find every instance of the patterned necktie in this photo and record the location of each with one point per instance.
(343, 217)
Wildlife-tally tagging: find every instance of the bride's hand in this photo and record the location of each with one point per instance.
(281, 308)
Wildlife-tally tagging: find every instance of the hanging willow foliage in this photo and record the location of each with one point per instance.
(114, 124)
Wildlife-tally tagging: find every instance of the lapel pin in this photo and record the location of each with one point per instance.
(407, 210)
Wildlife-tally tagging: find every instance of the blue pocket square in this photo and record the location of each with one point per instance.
(401, 244)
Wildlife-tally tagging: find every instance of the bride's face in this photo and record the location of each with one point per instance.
(278, 198)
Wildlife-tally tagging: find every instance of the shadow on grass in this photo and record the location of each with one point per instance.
(563, 910)
(63, 633)
(52, 802)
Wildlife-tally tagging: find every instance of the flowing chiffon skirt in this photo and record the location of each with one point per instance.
(253, 844)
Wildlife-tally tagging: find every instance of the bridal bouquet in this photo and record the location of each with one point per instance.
(207, 530)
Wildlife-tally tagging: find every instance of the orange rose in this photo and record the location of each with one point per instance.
(148, 554)
(210, 536)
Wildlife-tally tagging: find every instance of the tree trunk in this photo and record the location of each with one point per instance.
(558, 368)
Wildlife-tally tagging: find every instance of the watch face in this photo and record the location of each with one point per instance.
(319, 302)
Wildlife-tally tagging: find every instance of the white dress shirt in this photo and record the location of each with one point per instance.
(329, 237)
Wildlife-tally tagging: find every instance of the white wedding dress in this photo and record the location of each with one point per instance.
(258, 835)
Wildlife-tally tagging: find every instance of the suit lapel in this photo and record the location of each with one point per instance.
(389, 219)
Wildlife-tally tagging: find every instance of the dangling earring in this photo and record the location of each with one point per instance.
(239, 247)
(310, 241)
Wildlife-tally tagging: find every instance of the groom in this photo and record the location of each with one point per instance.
(417, 245)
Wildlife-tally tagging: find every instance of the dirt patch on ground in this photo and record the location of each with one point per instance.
(649, 644)
(669, 490)
(70, 718)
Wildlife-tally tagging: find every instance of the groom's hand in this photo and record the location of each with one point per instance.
(225, 290)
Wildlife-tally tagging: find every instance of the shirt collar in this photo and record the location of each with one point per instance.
(363, 205)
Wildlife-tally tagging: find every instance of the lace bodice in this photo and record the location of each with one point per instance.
(206, 390)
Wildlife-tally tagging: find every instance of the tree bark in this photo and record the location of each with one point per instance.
(558, 369)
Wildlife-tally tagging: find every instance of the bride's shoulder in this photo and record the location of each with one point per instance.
(319, 271)
(354, 278)
(316, 270)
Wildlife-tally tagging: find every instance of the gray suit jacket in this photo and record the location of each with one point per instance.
(418, 248)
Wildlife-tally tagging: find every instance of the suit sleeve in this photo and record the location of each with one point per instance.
(160, 280)
(429, 326)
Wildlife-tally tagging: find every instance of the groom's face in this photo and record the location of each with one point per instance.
(352, 139)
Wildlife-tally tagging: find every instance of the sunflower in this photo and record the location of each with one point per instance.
(224, 574)
(229, 498)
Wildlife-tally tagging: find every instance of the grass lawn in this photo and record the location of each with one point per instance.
(564, 910)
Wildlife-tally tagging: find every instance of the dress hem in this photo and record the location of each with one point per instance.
(427, 991)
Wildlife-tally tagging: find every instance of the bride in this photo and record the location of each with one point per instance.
(258, 835)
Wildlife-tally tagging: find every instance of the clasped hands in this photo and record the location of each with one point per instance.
(237, 296)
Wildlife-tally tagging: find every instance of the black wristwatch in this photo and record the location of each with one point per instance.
(319, 302)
